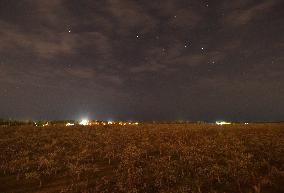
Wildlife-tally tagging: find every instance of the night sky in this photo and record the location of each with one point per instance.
(142, 59)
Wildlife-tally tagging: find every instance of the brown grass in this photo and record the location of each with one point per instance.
(146, 158)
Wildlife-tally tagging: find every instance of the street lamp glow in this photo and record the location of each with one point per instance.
(222, 123)
(69, 124)
(84, 122)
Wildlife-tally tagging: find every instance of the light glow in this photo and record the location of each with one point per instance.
(223, 123)
(85, 122)
(96, 123)
(69, 124)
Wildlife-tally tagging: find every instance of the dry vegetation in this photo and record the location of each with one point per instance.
(145, 158)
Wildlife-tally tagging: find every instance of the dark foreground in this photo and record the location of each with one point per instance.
(144, 158)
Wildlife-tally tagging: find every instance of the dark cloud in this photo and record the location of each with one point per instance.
(244, 12)
(125, 59)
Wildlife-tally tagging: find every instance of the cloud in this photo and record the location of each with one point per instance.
(96, 40)
(190, 60)
(185, 18)
(45, 44)
(52, 13)
(148, 68)
(131, 16)
(242, 15)
(81, 72)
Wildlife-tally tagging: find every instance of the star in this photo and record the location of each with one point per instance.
(186, 44)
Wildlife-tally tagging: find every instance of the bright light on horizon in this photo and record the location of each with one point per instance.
(222, 123)
(84, 122)
(69, 124)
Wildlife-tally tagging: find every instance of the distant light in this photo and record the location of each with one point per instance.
(136, 123)
(69, 124)
(223, 123)
(69, 31)
(46, 124)
(246, 123)
(84, 122)
(202, 48)
(109, 122)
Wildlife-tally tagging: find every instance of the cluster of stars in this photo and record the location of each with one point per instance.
(186, 44)
(157, 37)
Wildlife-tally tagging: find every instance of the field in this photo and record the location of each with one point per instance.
(145, 158)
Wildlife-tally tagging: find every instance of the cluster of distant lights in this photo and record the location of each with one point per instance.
(225, 123)
(86, 122)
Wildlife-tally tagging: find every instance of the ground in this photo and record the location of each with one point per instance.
(145, 158)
